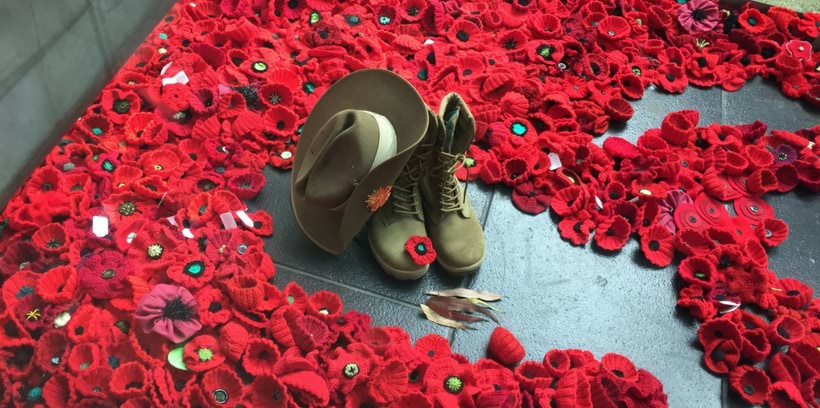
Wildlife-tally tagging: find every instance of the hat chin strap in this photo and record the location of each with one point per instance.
(388, 143)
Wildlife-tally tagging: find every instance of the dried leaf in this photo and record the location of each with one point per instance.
(446, 306)
(438, 319)
(467, 293)
(482, 303)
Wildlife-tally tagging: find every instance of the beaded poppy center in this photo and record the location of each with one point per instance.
(127, 208)
(453, 384)
(155, 251)
(176, 309)
(351, 370)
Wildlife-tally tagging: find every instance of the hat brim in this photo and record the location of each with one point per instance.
(373, 90)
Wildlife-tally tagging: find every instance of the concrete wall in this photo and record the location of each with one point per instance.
(55, 57)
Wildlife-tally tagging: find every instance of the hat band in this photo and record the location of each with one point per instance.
(388, 143)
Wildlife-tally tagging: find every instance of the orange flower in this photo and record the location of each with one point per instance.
(378, 197)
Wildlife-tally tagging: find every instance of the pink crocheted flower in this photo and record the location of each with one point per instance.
(673, 199)
(698, 16)
(170, 311)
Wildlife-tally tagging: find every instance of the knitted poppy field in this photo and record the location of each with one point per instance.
(134, 275)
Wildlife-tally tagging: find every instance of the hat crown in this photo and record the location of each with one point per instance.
(344, 150)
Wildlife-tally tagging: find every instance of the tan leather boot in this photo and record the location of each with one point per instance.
(401, 217)
(452, 224)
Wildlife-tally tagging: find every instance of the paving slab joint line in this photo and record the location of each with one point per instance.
(350, 287)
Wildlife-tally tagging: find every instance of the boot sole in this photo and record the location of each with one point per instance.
(462, 270)
(396, 273)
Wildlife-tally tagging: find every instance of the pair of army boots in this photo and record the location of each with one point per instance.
(428, 200)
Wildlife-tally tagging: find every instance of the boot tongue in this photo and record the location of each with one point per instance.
(450, 119)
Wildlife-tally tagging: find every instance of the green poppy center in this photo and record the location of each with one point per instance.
(155, 251)
(309, 87)
(291, 299)
(384, 20)
(636, 71)
(202, 209)
(194, 268)
(107, 165)
(205, 354)
(127, 208)
(545, 51)
(422, 74)
(315, 17)
(453, 384)
(518, 128)
(421, 249)
(54, 243)
(220, 396)
(351, 370)
(752, 21)
(122, 106)
(260, 66)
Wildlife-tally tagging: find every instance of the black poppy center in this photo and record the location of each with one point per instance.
(654, 245)
(510, 44)
(176, 309)
(702, 62)
(725, 262)
(462, 36)
(618, 373)
(718, 354)
(214, 307)
(783, 332)
(54, 243)
(133, 384)
(670, 77)
(577, 227)
(610, 232)
(748, 389)
(698, 15)
(414, 376)
(793, 292)
(767, 52)
(413, 11)
(293, 4)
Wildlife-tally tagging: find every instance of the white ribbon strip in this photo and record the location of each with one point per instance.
(245, 219)
(227, 220)
(555, 161)
(428, 41)
(165, 68)
(732, 306)
(179, 78)
(186, 232)
(99, 226)
(172, 221)
(599, 203)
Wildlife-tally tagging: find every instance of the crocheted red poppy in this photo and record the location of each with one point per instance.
(221, 385)
(722, 356)
(657, 245)
(613, 233)
(420, 249)
(325, 305)
(103, 275)
(576, 229)
(530, 199)
(772, 231)
(130, 380)
(445, 380)
(504, 347)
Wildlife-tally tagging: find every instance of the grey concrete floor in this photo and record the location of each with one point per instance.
(557, 295)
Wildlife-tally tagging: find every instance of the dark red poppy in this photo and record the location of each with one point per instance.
(568, 201)
(698, 270)
(751, 383)
(657, 246)
(784, 394)
(530, 199)
(793, 293)
(613, 233)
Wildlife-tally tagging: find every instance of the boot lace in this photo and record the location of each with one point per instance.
(445, 171)
(405, 188)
